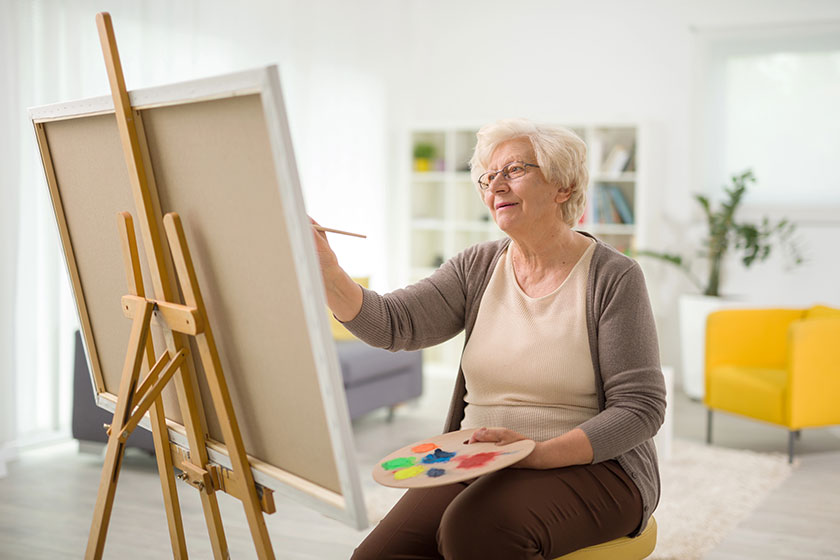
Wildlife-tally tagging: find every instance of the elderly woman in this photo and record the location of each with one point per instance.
(561, 348)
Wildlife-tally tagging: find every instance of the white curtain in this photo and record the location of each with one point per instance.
(38, 349)
(51, 53)
(9, 155)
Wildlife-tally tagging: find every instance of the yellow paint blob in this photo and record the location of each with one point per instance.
(410, 472)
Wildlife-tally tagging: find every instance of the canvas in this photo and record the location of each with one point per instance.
(217, 152)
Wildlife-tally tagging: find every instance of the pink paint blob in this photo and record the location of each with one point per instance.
(475, 460)
(423, 448)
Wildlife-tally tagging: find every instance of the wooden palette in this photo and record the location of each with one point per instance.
(445, 458)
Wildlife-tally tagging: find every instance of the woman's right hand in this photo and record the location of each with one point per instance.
(344, 296)
(326, 256)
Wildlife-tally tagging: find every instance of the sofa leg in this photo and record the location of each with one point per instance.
(708, 426)
(390, 417)
(792, 435)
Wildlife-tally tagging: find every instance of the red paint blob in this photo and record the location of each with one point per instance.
(423, 448)
(476, 459)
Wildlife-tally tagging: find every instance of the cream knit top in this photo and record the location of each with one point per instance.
(527, 365)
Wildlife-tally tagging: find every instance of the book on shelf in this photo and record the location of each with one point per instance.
(619, 202)
(606, 210)
(618, 160)
(630, 165)
(609, 205)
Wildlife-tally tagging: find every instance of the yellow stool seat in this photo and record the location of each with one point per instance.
(624, 548)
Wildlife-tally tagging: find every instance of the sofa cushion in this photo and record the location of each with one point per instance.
(361, 363)
(755, 392)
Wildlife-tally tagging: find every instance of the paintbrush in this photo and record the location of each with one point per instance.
(330, 230)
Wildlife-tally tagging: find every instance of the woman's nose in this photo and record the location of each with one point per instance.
(499, 183)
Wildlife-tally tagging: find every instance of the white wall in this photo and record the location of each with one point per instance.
(608, 60)
(357, 74)
(334, 58)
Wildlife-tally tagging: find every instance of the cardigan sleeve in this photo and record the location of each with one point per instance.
(628, 363)
(423, 314)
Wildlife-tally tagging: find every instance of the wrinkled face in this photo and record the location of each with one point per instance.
(526, 202)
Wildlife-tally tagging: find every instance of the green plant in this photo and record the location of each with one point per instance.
(754, 241)
(424, 150)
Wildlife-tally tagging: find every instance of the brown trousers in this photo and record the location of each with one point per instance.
(509, 514)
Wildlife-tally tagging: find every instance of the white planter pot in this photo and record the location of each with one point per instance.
(693, 312)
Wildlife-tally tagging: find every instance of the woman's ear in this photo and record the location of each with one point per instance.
(562, 195)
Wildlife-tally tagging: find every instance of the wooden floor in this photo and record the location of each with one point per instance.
(800, 520)
(47, 500)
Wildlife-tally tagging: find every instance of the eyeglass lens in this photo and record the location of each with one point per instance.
(512, 170)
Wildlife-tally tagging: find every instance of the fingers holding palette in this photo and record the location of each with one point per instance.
(446, 458)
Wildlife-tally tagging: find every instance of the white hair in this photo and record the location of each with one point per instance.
(561, 155)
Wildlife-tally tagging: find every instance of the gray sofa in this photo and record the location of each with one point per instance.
(373, 378)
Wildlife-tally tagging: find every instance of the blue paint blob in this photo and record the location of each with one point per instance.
(434, 473)
(439, 456)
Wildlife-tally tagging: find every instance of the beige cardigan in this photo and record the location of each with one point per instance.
(622, 340)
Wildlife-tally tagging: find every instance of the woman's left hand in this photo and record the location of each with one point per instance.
(503, 436)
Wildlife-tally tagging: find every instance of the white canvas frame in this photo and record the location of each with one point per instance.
(349, 506)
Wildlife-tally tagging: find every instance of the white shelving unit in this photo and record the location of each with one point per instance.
(613, 158)
(442, 212)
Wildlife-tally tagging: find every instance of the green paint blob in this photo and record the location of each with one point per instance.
(399, 463)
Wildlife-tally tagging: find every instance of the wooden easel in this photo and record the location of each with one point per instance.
(177, 321)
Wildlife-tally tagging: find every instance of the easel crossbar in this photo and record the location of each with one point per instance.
(179, 318)
(152, 377)
(149, 399)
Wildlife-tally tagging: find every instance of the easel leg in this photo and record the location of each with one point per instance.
(218, 387)
(160, 434)
(213, 519)
(114, 451)
(163, 454)
(187, 399)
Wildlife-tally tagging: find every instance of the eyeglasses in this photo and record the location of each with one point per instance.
(513, 170)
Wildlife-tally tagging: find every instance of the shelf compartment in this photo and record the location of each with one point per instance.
(612, 150)
(469, 205)
(428, 200)
(427, 249)
(623, 242)
(465, 141)
(611, 203)
(437, 142)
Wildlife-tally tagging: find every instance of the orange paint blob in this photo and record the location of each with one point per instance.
(423, 448)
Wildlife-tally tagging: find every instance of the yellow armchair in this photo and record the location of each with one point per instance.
(777, 365)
